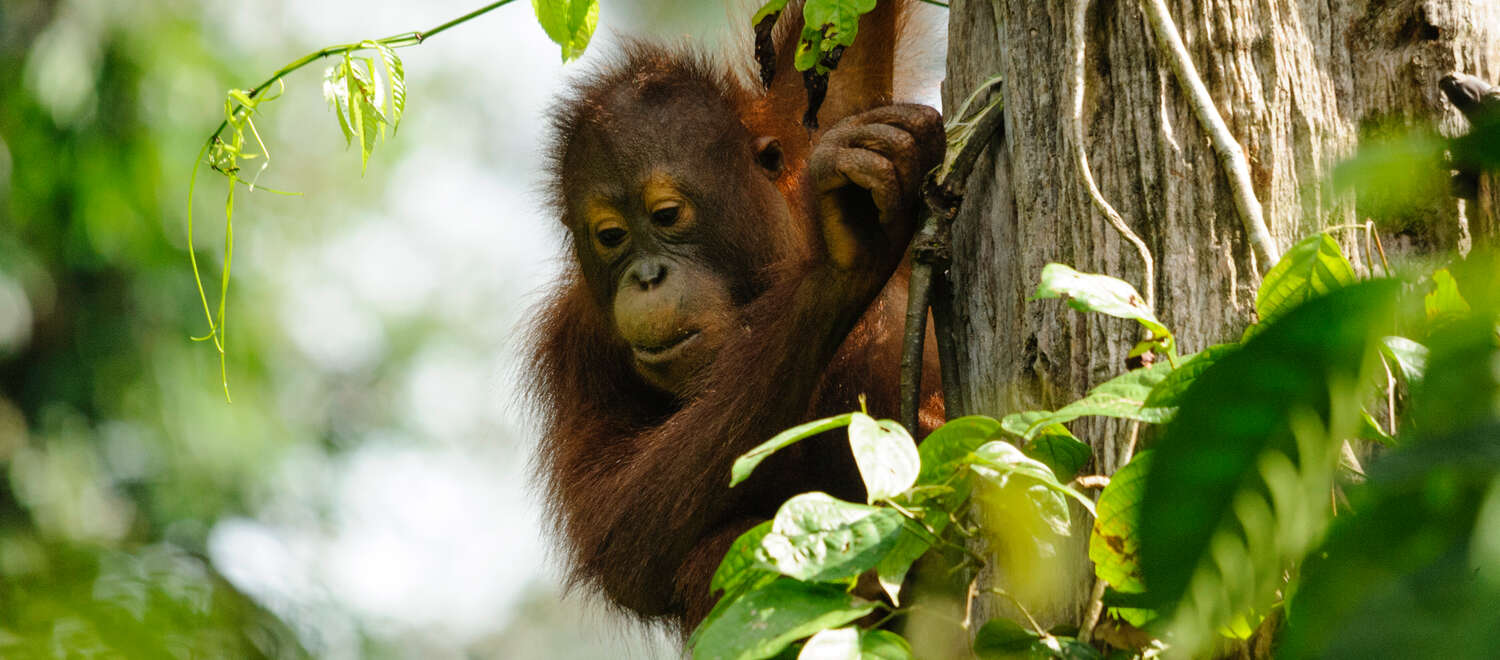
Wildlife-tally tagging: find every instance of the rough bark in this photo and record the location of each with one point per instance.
(1296, 81)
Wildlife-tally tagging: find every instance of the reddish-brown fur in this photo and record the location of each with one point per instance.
(637, 479)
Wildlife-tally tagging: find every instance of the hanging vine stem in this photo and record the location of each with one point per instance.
(242, 106)
(968, 136)
(1081, 158)
(1231, 156)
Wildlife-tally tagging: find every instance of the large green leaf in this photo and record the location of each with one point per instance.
(568, 23)
(747, 462)
(943, 451)
(1168, 392)
(819, 538)
(1123, 397)
(883, 645)
(1313, 267)
(738, 567)
(1056, 448)
(1115, 543)
(1240, 478)
(999, 462)
(1003, 639)
(832, 644)
(886, 456)
(1088, 292)
(1408, 358)
(765, 621)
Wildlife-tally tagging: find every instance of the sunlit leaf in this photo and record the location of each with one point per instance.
(1168, 392)
(1115, 543)
(819, 538)
(569, 23)
(1313, 267)
(395, 75)
(944, 450)
(832, 644)
(886, 456)
(765, 621)
(1087, 292)
(999, 461)
(829, 26)
(1408, 358)
(747, 462)
(1445, 302)
(739, 565)
(1122, 397)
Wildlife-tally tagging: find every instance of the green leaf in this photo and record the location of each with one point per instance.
(999, 461)
(568, 23)
(1239, 479)
(1003, 639)
(818, 538)
(1445, 302)
(772, 7)
(765, 621)
(1115, 543)
(336, 91)
(1088, 292)
(891, 570)
(1313, 267)
(1122, 397)
(738, 567)
(1408, 357)
(828, 25)
(832, 644)
(1056, 448)
(1370, 430)
(1463, 388)
(944, 450)
(395, 74)
(883, 645)
(1168, 392)
(747, 462)
(886, 456)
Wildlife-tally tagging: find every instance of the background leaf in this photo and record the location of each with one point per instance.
(1088, 292)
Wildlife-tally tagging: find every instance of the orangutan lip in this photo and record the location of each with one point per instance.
(665, 352)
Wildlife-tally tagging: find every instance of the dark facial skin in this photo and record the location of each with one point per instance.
(648, 221)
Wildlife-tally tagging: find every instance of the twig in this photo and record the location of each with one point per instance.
(1081, 159)
(1231, 156)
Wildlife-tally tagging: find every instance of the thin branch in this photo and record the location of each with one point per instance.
(1231, 156)
(1081, 159)
(929, 287)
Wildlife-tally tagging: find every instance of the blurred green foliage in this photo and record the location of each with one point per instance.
(109, 477)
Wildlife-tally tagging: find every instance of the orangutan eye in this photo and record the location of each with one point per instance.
(665, 216)
(611, 236)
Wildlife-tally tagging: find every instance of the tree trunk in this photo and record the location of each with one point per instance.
(1295, 80)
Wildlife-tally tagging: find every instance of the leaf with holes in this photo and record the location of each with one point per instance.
(1115, 543)
(828, 27)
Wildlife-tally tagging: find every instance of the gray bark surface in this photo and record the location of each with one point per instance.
(1297, 81)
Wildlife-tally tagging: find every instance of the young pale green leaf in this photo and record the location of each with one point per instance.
(747, 462)
(1445, 302)
(765, 621)
(1115, 543)
(1087, 292)
(1056, 448)
(1407, 357)
(832, 644)
(1122, 397)
(879, 644)
(999, 461)
(395, 75)
(1239, 478)
(945, 449)
(336, 91)
(569, 23)
(1168, 392)
(739, 565)
(1311, 268)
(886, 456)
(818, 538)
